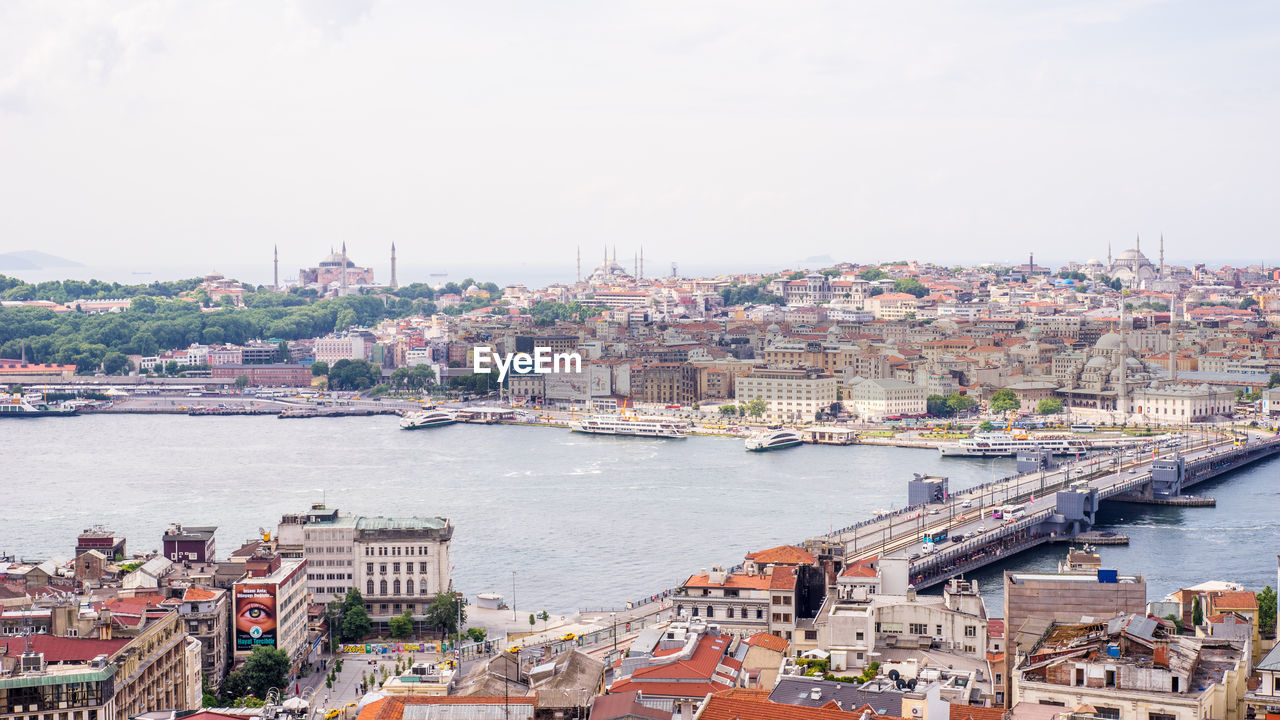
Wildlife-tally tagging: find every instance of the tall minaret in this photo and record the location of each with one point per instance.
(641, 273)
(579, 263)
(342, 285)
(1108, 257)
(1162, 268)
(394, 285)
(635, 263)
(1137, 243)
(275, 284)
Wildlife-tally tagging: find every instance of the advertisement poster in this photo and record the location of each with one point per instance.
(255, 614)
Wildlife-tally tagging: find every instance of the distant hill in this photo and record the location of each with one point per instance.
(34, 260)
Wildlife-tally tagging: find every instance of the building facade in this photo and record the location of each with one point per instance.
(788, 394)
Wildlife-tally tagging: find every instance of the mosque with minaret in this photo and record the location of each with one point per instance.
(1131, 267)
(337, 274)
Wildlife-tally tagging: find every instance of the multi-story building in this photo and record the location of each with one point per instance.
(103, 677)
(339, 347)
(269, 606)
(104, 541)
(204, 612)
(1130, 667)
(668, 383)
(788, 394)
(398, 564)
(1032, 601)
(1178, 404)
(893, 305)
(189, 544)
(273, 374)
(878, 398)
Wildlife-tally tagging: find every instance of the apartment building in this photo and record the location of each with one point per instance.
(398, 564)
(878, 398)
(788, 394)
(269, 606)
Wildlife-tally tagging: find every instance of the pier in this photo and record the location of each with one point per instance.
(944, 534)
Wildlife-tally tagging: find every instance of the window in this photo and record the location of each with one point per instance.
(1112, 713)
(939, 633)
(395, 567)
(711, 611)
(368, 589)
(860, 636)
(1110, 678)
(970, 631)
(695, 611)
(422, 567)
(728, 613)
(395, 587)
(408, 587)
(810, 634)
(918, 629)
(382, 568)
(382, 588)
(759, 614)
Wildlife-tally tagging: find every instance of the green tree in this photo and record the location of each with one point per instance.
(936, 405)
(476, 634)
(242, 381)
(1049, 406)
(958, 403)
(532, 619)
(114, 363)
(401, 626)
(445, 611)
(1004, 401)
(757, 407)
(282, 351)
(728, 410)
(265, 668)
(873, 274)
(985, 426)
(1274, 381)
(354, 375)
(910, 286)
(1267, 610)
(355, 624)
(319, 368)
(1197, 615)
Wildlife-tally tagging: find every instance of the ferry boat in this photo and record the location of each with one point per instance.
(17, 407)
(773, 440)
(639, 427)
(989, 444)
(427, 419)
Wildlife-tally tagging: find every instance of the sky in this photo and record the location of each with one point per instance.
(724, 132)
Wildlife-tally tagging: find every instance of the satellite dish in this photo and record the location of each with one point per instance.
(911, 684)
(894, 674)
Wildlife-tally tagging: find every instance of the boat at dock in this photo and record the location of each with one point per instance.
(773, 440)
(638, 427)
(998, 444)
(427, 419)
(18, 407)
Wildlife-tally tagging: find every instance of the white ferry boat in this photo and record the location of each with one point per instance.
(773, 440)
(988, 444)
(15, 406)
(427, 419)
(640, 427)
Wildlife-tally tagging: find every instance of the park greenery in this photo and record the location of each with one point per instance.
(754, 294)
(265, 668)
(1004, 401)
(158, 319)
(1049, 406)
(939, 406)
(446, 611)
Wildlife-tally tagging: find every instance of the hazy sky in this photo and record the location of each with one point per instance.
(205, 132)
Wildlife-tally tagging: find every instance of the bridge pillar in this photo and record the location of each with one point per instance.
(1035, 461)
(1167, 477)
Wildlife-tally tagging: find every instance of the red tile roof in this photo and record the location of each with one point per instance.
(768, 641)
(975, 712)
(782, 578)
(392, 708)
(783, 555)
(995, 628)
(737, 580)
(692, 678)
(63, 649)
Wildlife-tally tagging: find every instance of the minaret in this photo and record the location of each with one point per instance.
(275, 283)
(579, 263)
(641, 273)
(1108, 257)
(342, 285)
(635, 261)
(1031, 263)
(1162, 270)
(394, 285)
(1137, 243)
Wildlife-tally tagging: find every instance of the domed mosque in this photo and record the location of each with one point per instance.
(1103, 377)
(1132, 268)
(609, 272)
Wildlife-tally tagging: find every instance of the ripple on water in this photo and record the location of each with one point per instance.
(583, 521)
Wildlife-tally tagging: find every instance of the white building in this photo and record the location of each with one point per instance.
(789, 394)
(398, 564)
(334, 348)
(893, 305)
(878, 398)
(1178, 404)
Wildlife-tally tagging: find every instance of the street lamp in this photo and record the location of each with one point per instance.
(513, 595)
(614, 618)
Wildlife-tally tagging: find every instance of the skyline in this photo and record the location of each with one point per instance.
(965, 134)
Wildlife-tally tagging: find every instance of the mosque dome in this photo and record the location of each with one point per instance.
(1110, 341)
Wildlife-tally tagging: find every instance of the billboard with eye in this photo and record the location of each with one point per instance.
(255, 616)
